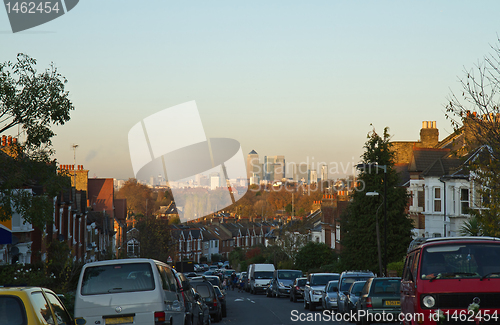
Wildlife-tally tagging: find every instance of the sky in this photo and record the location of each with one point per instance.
(304, 79)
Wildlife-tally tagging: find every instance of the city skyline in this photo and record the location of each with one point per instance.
(306, 80)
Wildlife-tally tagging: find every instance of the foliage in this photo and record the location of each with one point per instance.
(358, 222)
(471, 227)
(251, 253)
(155, 238)
(476, 113)
(313, 255)
(396, 266)
(216, 258)
(139, 197)
(34, 102)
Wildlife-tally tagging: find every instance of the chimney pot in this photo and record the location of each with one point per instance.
(9, 140)
(14, 141)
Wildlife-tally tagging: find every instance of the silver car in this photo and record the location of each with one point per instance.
(330, 296)
(315, 286)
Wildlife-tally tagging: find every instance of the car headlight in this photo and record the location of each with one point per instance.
(333, 299)
(317, 292)
(429, 301)
(281, 284)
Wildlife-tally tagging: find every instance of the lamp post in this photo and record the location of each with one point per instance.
(378, 232)
(384, 168)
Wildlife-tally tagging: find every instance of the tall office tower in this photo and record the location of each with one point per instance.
(324, 173)
(302, 173)
(214, 181)
(268, 169)
(313, 176)
(253, 165)
(280, 172)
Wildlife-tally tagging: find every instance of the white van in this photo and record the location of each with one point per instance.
(138, 291)
(260, 275)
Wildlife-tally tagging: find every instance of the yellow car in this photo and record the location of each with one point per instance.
(33, 306)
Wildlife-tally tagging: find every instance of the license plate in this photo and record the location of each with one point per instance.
(119, 320)
(392, 302)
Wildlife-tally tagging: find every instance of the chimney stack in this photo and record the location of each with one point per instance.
(429, 134)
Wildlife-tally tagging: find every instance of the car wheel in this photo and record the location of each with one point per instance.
(294, 298)
(224, 312)
(217, 317)
(268, 293)
(291, 298)
(306, 305)
(312, 306)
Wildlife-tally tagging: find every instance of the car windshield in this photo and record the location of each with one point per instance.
(125, 277)
(357, 287)
(263, 275)
(301, 282)
(317, 280)
(466, 260)
(347, 282)
(289, 275)
(332, 285)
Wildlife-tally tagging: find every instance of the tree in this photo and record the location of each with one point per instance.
(358, 222)
(34, 102)
(154, 237)
(313, 255)
(139, 197)
(476, 113)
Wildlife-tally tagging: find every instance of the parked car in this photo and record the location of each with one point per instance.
(282, 282)
(193, 309)
(33, 306)
(107, 286)
(207, 292)
(222, 299)
(190, 274)
(204, 317)
(214, 279)
(348, 304)
(314, 288)
(204, 267)
(379, 296)
(198, 268)
(347, 278)
(330, 295)
(297, 289)
(226, 265)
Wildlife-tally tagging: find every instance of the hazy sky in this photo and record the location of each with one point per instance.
(303, 79)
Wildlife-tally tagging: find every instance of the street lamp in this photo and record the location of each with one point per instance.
(378, 232)
(384, 168)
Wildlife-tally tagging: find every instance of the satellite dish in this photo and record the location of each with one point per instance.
(14, 251)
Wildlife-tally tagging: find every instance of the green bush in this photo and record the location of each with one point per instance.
(396, 266)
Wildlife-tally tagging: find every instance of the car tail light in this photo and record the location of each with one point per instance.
(159, 317)
(297, 288)
(369, 302)
(215, 302)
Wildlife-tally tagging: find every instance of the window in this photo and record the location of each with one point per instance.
(12, 311)
(216, 243)
(437, 199)
(61, 315)
(421, 199)
(464, 201)
(41, 307)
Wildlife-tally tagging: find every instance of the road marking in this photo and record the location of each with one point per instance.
(239, 299)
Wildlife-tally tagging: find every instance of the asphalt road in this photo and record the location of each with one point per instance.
(246, 309)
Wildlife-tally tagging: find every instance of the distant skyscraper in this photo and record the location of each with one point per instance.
(313, 176)
(324, 173)
(214, 181)
(253, 164)
(302, 173)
